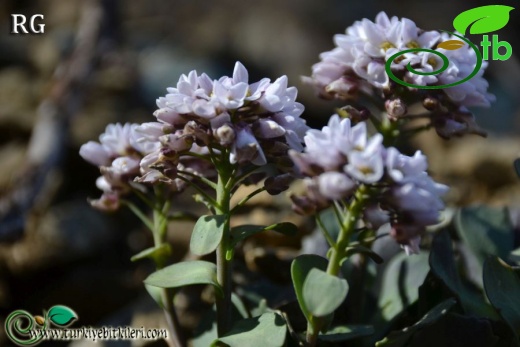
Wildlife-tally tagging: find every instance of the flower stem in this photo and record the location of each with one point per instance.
(338, 253)
(224, 263)
(348, 226)
(160, 222)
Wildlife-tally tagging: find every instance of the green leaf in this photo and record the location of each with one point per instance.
(239, 305)
(400, 338)
(267, 330)
(61, 315)
(207, 234)
(285, 228)
(502, 286)
(486, 230)
(323, 293)
(185, 274)
(401, 280)
(300, 268)
(442, 263)
(156, 293)
(346, 332)
(483, 19)
(364, 250)
(157, 254)
(242, 232)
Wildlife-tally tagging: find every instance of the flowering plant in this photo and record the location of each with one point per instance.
(215, 135)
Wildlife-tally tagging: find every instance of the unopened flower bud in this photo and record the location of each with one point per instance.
(225, 135)
(267, 129)
(108, 202)
(303, 205)
(354, 114)
(277, 184)
(430, 103)
(343, 88)
(395, 108)
(176, 142)
(194, 130)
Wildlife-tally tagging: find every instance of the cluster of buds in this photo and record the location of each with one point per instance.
(357, 65)
(340, 158)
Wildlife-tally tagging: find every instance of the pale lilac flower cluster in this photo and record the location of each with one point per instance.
(227, 120)
(117, 154)
(357, 64)
(340, 158)
(253, 123)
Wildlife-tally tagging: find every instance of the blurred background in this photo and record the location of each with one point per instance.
(106, 61)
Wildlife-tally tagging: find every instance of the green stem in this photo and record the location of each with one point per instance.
(202, 178)
(201, 191)
(224, 263)
(146, 221)
(347, 228)
(338, 253)
(160, 221)
(390, 131)
(326, 234)
(247, 198)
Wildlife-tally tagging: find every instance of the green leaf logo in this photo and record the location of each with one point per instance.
(483, 19)
(61, 315)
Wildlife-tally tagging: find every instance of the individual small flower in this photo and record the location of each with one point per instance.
(335, 185)
(95, 153)
(246, 148)
(366, 164)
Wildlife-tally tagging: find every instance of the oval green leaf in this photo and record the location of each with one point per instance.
(300, 268)
(401, 280)
(442, 263)
(267, 330)
(502, 286)
(61, 315)
(185, 274)
(486, 230)
(483, 19)
(323, 293)
(207, 234)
